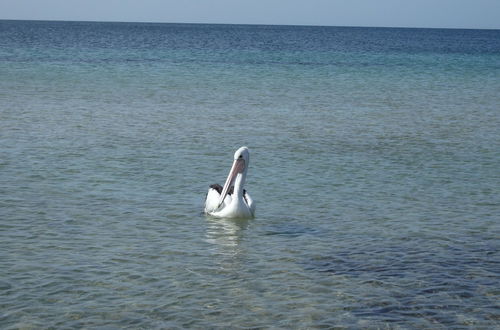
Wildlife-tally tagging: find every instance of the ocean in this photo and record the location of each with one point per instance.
(375, 157)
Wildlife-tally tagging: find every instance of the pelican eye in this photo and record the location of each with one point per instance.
(241, 156)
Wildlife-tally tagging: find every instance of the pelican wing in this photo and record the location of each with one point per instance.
(212, 199)
(250, 202)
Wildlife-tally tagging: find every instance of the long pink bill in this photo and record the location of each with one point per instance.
(237, 167)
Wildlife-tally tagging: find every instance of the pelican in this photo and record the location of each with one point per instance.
(232, 201)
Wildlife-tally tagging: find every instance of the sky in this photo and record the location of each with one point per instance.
(475, 14)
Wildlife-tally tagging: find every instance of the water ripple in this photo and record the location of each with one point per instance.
(374, 167)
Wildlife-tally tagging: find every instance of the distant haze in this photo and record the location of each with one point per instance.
(476, 14)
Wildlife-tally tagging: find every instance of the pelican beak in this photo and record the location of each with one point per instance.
(238, 167)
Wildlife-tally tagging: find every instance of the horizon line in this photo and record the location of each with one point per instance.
(251, 24)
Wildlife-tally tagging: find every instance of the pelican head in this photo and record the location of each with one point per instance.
(237, 174)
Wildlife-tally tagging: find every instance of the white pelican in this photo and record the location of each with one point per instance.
(232, 201)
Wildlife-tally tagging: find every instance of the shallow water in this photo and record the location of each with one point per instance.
(374, 165)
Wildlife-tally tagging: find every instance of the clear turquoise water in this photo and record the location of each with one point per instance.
(375, 157)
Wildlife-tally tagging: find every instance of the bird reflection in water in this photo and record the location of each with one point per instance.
(226, 233)
(228, 252)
